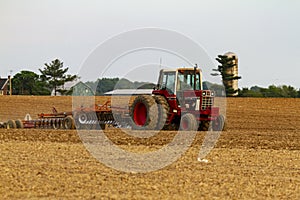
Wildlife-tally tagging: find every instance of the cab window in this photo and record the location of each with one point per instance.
(186, 81)
(168, 81)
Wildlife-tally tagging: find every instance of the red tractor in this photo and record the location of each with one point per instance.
(178, 102)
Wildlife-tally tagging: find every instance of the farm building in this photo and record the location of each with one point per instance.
(4, 83)
(81, 89)
(75, 89)
(233, 71)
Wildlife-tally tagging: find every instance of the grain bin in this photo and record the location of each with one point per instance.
(233, 71)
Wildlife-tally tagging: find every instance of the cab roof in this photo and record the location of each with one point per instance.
(181, 69)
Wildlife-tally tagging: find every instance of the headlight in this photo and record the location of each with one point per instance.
(204, 93)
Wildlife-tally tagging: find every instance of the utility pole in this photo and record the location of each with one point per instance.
(10, 86)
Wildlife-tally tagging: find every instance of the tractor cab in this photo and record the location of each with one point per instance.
(183, 85)
(180, 79)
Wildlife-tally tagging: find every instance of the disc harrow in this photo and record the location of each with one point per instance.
(93, 117)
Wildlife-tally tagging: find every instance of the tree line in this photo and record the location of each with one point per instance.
(103, 85)
(53, 77)
(283, 91)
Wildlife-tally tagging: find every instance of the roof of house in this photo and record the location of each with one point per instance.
(3, 82)
(129, 92)
(69, 85)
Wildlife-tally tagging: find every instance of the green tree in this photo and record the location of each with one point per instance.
(143, 85)
(281, 91)
(272, 91)
(54, 74)
(253, 92)
(124, 84)
(289, 91)
(226, 63)
(28, 83)
(104, 85)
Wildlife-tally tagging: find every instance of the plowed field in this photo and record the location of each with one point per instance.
(257, 157)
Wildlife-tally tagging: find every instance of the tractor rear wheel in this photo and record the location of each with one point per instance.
(144, 113)
(163, 110)
(188, 122)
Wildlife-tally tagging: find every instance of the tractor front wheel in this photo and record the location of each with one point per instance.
(188, 122)
(219, 123)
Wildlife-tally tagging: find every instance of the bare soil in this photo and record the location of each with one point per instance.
(257, 157)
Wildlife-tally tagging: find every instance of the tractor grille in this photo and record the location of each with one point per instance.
(207, 102)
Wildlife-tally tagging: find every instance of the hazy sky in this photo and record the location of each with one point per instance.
(264, 34)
